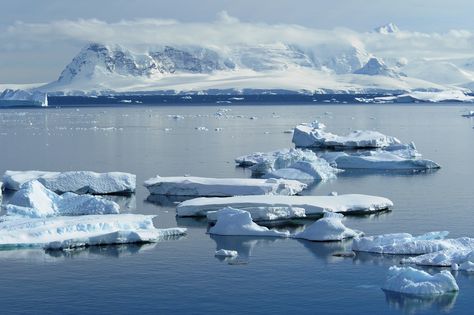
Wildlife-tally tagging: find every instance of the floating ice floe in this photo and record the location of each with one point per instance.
(313, 205)
(469, 114)
(313, 135)
(395, 158)
(267, 214)
(226, 253)
(232, 221)
(69, 232)
(328, 228)
(82, 182)
(221, 187)
(412, 281)
(33, 200)
(296, 164)
(427, 96)
(461, 251)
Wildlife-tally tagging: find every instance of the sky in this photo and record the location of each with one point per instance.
(38, 38)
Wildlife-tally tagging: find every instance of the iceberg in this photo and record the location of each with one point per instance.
(267, 214)
(295, 164)
(412, 281)
(460, 251)
(75, 231)
(237, 222)
(33, 200)
(329, 228)
(221, 187)
(19, 97)
(428, 96)
(313, 205)
(381, 159)
(313, 135)
(81, 182)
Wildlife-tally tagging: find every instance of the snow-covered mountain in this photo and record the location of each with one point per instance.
(387, 29)
(376, 66)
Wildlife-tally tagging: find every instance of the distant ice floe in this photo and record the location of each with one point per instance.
(412, 281)
(399, 157)
(226, 253)
(237, 222)
(296, 164)
(35, 201)
(221, 187)
(469, 114)
(313, 205)
(82, 182)
(313, 135)
(329, 228)
(427, 96)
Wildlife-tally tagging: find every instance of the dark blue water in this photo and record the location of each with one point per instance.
(273, 275)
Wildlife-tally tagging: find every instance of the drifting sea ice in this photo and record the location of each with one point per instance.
(232, 221)
(313, 205)
(221, 187)
(412, 281)
(313, 135)
(329, 228)
(261, 214)
(82, 182)
(33, 200)
(226, 253)
(68, 232)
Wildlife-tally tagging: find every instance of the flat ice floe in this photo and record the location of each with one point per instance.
(35, 201)
(313, 135)
(221, 187)
(381, 159)
(412, 281)
(82, 182)
(328, 228)
(296, 164)
(237, 222)
(68, 232)
(270, 214)
(226, 253)
(313, 205)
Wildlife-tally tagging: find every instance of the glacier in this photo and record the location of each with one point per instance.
(82, 182)
(221, 187)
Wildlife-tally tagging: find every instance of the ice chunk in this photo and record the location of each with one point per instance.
(405, 159)
(226, 253)
(273, 214)
(35, 201)
(467, 266)
(232, 221)
(221, 187)
(73, 231)
(469, 114)
(329, 228)
(313, 135)
(313, 205)
(82, 182)
(417, 282)
(459, 251)
(403, 243)
(428, 96)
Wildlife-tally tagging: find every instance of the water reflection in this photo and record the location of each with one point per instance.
(411, 304)
(166, 201)
(243, 245)
(126, 202)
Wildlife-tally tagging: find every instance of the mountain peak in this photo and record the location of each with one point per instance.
(389, 28)
(376, 66)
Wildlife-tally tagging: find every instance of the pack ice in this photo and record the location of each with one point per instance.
(221, 187)
(296, 164)
(36, 201)
(313, 205)
(266, 214)
(81, 182)
(314, 135)
(328, 228)
(231, 221)
(395, 157)
(412, 281)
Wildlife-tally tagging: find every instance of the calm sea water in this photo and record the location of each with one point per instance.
(274, 275)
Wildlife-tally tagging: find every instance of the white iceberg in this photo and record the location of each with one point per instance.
(221, 187)
(460, 251)
(428, 96)
(467, 266)
(82, 182)
(313, 205)
(412, 281)
(19, 97)
(313, 135)
(33, 200)
(235, 222)
(75, 231)
(296, 164)
(226, 253)
(381, 159)
(261, 214)
(328, 228)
